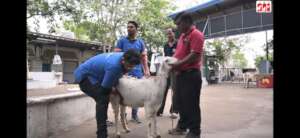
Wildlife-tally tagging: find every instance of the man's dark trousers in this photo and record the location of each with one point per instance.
(101, 96)
(188, 97)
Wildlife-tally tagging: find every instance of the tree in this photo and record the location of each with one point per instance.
(48, 9)
(105, 20)
(154, 21)
(38, 8)
(223, 48)
(260, 58)
(269, 50)
(239, 60)
(97, 20)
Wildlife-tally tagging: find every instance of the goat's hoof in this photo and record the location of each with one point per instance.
(127, 130)
(158, 136)
(118, 136)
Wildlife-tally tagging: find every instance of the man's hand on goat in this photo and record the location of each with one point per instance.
(175, 65)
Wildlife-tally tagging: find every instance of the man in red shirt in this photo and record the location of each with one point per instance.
(188, 52)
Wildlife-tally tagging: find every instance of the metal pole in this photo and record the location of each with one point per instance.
(267, 46)
(261, 18)
(242, 16)
(267, 52)
(225, 25)
(205, 25)
(209, 27)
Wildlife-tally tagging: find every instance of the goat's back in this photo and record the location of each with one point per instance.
(136, 92)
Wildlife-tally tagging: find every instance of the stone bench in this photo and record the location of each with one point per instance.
(49, 115)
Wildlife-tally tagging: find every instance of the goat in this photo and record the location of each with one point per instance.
(249, 77)
(145, 92)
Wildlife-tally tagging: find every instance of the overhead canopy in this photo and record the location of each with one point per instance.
(219, 18)
(52, 40)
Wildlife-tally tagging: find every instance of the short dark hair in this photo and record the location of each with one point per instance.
(132, 57)
(134, 23)
(185, 17)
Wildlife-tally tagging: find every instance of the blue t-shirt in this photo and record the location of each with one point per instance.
(138, 44)
(105, 69)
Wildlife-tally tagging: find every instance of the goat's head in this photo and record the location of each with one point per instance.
(166, 65)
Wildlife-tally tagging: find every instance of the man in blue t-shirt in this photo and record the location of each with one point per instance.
(98, 75)
(132, 42)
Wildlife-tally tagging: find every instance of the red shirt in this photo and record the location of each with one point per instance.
(192, 41)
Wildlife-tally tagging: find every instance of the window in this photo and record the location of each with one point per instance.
(46, 67)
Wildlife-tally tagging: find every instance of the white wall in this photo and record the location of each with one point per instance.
(43, 84)
(42, 75)
(44, 80)
(47, 116)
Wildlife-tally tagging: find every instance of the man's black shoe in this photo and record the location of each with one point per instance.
(177, 131)
(192, 135)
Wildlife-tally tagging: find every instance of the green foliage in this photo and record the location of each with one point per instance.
(154, 21)
(49, 9)
(259, 58)
(80, 30)
(223, 48)
(38, 7)
(270, 50)
(151, 16)
(239, 60)
(105, 20)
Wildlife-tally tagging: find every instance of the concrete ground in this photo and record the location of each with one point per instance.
(228, 111)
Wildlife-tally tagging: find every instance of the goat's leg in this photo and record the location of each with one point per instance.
(123, 119)
(115, 105)
(148, 120)
(155, 131)
(151, 119)
(244, 80)
(248, 83)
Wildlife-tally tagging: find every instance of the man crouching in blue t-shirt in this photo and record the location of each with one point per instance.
(98, 75)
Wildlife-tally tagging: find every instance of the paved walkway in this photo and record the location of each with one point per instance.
(228, 111)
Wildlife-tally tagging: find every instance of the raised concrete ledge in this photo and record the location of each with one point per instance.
(52, 98)
(47, 116)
